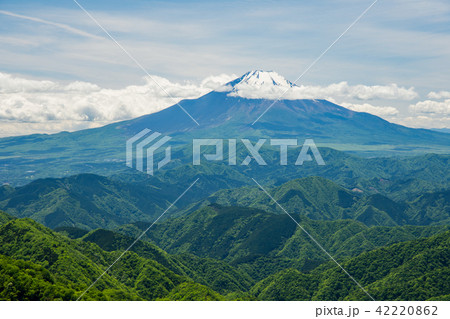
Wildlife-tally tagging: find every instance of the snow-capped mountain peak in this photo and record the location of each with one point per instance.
(258, 84)
(264, 78)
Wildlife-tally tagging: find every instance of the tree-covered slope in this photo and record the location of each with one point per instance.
(73, 264)
(313, 197)
(24, 280)
(431, 208)
(412, 270)
(215, 274)
(220, 232)
(43, 262)
(262, 243)
(90, 201)
(321, 199)
(37, 263)
(4, 217)
(86, 201)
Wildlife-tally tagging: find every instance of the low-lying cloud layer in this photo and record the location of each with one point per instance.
(33, 101)
(333, 91)
(381, 111)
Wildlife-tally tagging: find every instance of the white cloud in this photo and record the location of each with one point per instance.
(431, 107)
(388, 92)
(439, 95)
(215, 81)
(24, 100)
(429, 114)
(368, 108)
(10, 84)
(422, 121)
(332, 91)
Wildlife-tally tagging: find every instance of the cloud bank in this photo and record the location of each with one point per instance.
(333, 91)
(430, 113)
(32, 101)
(431, 107)
(368, 108)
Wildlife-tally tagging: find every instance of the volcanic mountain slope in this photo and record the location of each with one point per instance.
(232, 110)
(224, 113)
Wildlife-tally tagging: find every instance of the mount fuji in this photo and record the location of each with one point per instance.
(227, 112)
(258, 85)
(231, 110)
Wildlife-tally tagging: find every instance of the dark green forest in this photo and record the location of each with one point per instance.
(38, 263)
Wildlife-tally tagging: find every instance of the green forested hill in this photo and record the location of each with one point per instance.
(24, 280)
(431, 208)
(90, 201)
(262, 243)
(72, 264)
(215, 274)
(86, 201)
(37, 257)
(5, 217)
(37, 263)
(399, 178)
(413, 270)
(321, 199)
(313, 197)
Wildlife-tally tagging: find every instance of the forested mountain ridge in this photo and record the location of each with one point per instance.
(321, 199)
(38, 264)
(90, 201)
(64, 268)
(262, 243)
(412, 270)
(86, 201)
(215, 274)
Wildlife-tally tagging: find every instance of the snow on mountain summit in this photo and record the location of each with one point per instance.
(263, 78)
(259, 85)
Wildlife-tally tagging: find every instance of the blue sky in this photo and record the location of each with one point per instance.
(402, 42)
